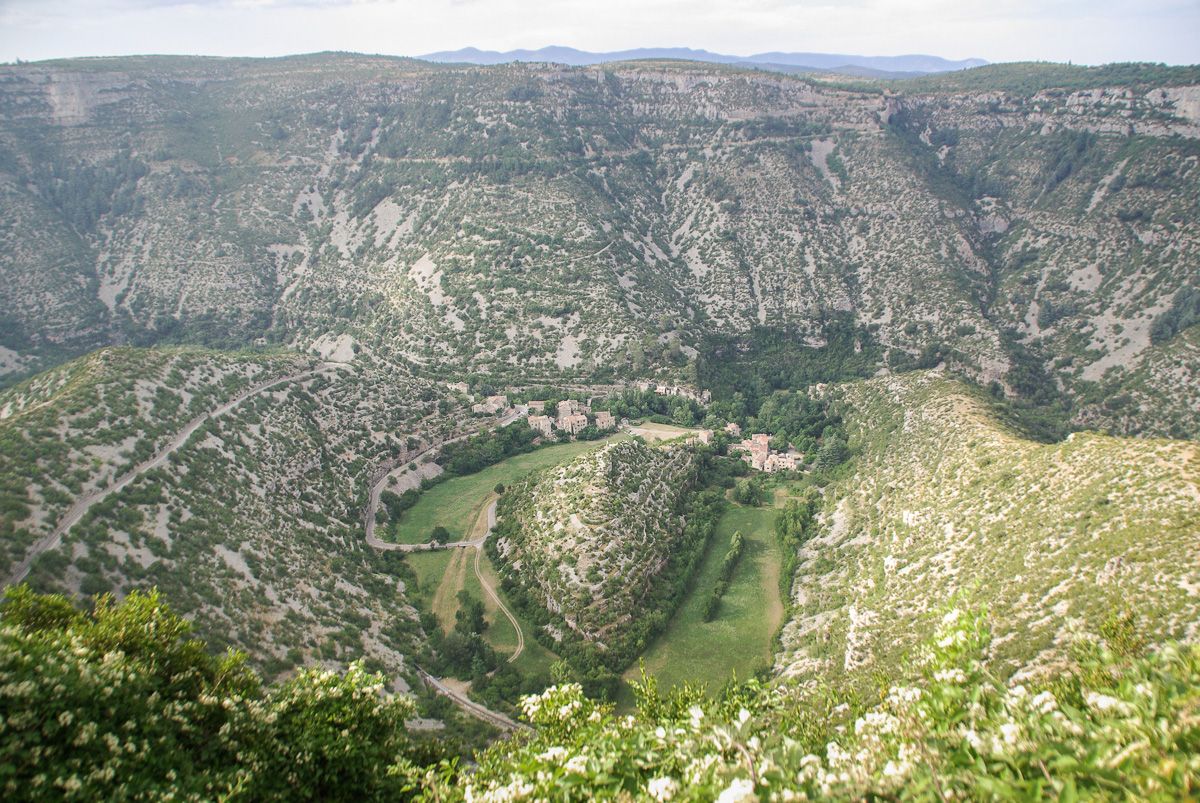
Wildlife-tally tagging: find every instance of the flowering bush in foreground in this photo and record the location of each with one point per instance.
(120, 704)
(1112, 726)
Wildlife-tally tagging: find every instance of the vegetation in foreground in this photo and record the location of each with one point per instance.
(120, 703)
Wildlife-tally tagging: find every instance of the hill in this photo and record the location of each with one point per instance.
(1032, 225)
(882, 66)
(234, 483)
(599, 548)
(947, 503)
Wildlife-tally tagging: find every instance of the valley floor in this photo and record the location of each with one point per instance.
(739, 641)
(456, 503)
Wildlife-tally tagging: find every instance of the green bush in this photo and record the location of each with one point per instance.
(1109, 727)
(119, 703)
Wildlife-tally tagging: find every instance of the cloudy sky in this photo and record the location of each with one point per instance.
(1083, 31)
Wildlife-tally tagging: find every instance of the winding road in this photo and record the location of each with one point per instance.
(83, 504)
(491, 592)
(470, 706)
(378, 487)
(486, 522)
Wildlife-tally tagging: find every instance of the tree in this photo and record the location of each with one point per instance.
(439, 535)
(833, 452)
(749, 491)
(126, 705)
(469, 619)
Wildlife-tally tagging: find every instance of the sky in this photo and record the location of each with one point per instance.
(1080, 31)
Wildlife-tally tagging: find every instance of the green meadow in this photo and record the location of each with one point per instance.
(740, 639)
(455, 503)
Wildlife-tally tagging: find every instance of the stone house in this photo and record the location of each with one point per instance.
(573, 423)
(571, 407)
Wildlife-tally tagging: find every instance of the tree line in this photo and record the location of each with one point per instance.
(737, 545)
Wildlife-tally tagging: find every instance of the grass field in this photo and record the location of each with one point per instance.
(456, 503)
(653, 432)
(438, 591)
(741, 637)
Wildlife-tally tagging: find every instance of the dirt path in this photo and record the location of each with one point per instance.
(445, 599)
(77, 511)
(770, 587)
(490, 521)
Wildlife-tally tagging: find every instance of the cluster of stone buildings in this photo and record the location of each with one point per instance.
(492, 405)
(758, 453)
(703, 397)
(572, 418)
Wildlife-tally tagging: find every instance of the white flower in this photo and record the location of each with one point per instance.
(517, 790)
(577, 765)
(903, 695)
(1011, 732)
(1103, 704)
(835, 754)
(697, 714)
(952, 617)
(662, 788)
(553, 753)
(743, 717)
(876, 721)
(973, 739)
(740, 790)
(955, 675)
(1044, 702)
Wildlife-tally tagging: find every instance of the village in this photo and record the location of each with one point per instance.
(571, 417)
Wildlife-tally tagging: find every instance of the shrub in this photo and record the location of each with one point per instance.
(120, 703)
(1109, 727)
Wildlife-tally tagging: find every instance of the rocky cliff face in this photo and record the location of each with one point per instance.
(569, 221)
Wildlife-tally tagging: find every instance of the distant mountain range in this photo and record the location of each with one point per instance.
(883, 66)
